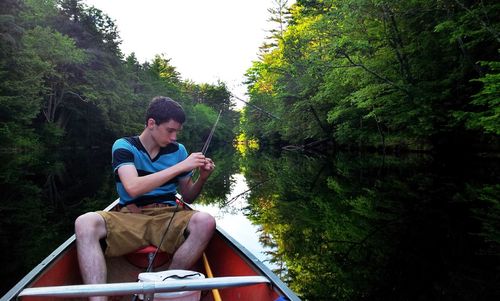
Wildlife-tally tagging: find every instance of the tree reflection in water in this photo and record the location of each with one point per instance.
(42, 194)
(342, 227)
(373, 227)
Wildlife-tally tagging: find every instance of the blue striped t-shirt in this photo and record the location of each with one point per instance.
(130, 150)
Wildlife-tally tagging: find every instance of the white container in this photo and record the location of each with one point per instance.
(173, 275)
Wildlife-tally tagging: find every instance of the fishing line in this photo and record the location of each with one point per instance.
(324, 128)
(244, 192)
(151, 262)
(256, 107)
(150, 266)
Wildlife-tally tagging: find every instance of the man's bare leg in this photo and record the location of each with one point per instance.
(89, 229)
(201, 228)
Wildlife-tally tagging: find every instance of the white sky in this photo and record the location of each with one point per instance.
(205, 40)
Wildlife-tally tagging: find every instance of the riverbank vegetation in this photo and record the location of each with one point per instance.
(65, 82)
(418, 75)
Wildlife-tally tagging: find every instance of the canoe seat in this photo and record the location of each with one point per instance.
(142, 257)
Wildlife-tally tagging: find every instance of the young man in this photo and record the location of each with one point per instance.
(149, 169)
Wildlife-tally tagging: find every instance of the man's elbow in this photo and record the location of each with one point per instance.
(133, 190)
(133, 195)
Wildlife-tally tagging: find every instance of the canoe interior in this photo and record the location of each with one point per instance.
(223, 258)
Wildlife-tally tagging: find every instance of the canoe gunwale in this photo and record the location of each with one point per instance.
(253, 261)
(36, 272)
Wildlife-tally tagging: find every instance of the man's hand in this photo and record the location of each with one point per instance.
(189, 189)
(207, 168)
(194, 161)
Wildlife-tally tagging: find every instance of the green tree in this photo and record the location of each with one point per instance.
(487, 116)
(20, 80)
(60, 56)
(383, 74)
(63, 74)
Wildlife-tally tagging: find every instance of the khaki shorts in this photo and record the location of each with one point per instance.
(128, 232)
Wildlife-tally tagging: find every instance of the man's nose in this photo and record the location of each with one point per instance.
(173, 136)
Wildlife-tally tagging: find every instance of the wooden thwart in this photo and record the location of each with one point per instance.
(130, 288)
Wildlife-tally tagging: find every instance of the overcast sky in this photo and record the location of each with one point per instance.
(205, 40)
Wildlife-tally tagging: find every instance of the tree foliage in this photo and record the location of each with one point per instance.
(380, 73)
(63, 76)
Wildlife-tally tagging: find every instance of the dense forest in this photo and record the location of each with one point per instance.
(64, 81)
(418, 75)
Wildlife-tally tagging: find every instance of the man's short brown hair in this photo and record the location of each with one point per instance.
(163, 108)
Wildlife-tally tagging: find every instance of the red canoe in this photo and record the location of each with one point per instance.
(228, 261)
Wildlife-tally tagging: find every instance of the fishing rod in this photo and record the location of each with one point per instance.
(212, 131)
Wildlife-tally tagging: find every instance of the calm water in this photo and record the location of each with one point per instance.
(344, 226)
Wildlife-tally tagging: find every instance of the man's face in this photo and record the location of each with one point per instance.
(166, 132)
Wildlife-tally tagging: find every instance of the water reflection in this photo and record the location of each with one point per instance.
(343, 227)
(42, 193)
(231, 218)
(373, 227)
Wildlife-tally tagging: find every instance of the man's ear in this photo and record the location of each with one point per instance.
(151, 123)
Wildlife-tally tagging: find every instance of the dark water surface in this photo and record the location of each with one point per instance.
(339, 227)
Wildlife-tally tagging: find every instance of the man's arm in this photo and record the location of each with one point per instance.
(137, 186)
(189, 189)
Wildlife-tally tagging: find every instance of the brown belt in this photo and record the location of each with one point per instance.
(156, 205)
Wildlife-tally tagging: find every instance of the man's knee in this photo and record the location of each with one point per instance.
(201, 221)
(90, 224)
